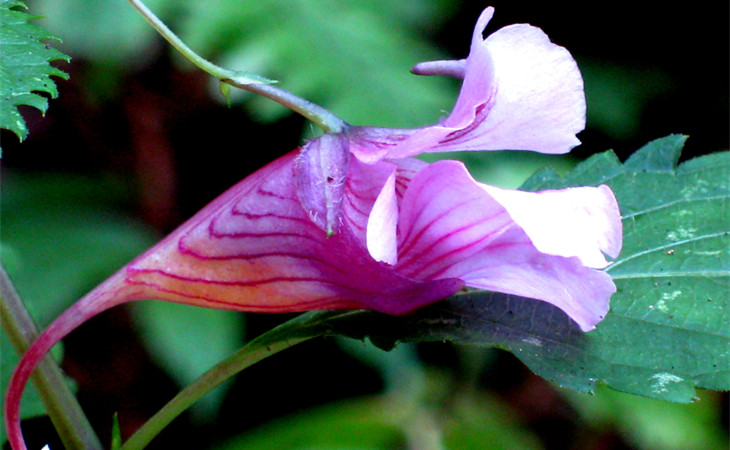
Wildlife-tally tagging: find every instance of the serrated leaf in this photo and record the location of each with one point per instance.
(669, 327)
(25, 70)
(668, 331)
(673, 274)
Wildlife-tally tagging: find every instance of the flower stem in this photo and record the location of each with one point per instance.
(68, 418)
(289, 334)
(246, 357)
(244, 80)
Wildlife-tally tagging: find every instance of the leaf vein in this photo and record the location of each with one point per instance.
(665, 247)
(672, 203)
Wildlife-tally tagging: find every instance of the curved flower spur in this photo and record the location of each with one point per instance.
(351, 220)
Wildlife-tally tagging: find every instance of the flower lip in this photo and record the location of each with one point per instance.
(544, 245)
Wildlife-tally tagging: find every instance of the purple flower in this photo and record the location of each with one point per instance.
(352, 221)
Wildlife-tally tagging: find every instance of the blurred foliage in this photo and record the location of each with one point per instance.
(25, 69)
(338, 54)
(315, 52)
(110, 33)
(618, 95)
(187, 341)
(471, 420)
(460, 415)
(507, 169)
(420, 407)
(63, 235)
(655, 424)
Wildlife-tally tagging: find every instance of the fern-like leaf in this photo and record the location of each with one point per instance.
(25, 69)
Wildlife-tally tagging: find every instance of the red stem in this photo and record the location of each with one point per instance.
(112, 292)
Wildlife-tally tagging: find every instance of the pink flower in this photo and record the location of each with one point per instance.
(520, 92)
(352, 221)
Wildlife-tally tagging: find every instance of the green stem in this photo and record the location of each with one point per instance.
(246, 357)
(300, 329)
(242, 359)
(68, 418)
(244, 80)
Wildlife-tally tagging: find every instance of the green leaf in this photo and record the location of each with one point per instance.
(25, 71)
(673, 275)
(116, 443)
(669, 326)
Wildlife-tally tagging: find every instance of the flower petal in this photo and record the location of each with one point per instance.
(371, 144)
(256, 249)
(363, 185)
(479, 77)
(445, 217)
(582, 221)
(511, 264)
(452, 226)
(382, 224)
(520, 92)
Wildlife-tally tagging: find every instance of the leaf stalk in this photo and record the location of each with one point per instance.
(253, 352)
(245, 80)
